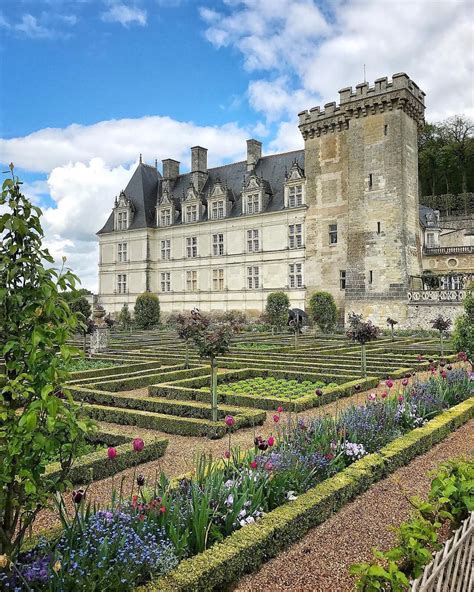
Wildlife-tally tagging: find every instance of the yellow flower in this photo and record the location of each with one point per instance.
(3, 561)
(57, 566)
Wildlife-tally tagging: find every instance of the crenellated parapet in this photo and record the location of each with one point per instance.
(399, 93)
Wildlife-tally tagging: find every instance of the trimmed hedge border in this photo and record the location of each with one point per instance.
(246, 549)
(96, 465)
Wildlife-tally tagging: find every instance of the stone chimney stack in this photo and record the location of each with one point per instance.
(170, 169)
(254, 153)
(199, 167)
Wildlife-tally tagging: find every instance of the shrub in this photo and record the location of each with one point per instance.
(463, 335)
(277, 309)
(441, 325)
(125, 318)
(323, 311)
(147, 311)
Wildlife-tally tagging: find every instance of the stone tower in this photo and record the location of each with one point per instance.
(361, 165)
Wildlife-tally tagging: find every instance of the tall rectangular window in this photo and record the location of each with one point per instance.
(165, 217)
(218, 279)
(371, 181)
(192, 213)
(191, 281)
(295, 236)
(253, 203)
(342, 279)
(371, 277)
(122, 252)
(166, 249)
(165, 281)
(253, 277)
(332, 234)
(218, 244)
(295, 276)
(191, 246)
(122, 283)
(253, 240)
(295, 196)
(217, 210)
(122, 221)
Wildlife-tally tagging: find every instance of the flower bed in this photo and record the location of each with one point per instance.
(274, 387)
(316, 465)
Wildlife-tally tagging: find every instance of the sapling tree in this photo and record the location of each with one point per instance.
(442, 325)
(39, 420)
(391, 323)
(186, 326)
(323, 311)
(276, 310)
(212, 340)
(125, 318)
(362, 332)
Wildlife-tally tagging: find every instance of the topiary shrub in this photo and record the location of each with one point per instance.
(276, 311)
(323, 311)
(125, 318)
(147, 311)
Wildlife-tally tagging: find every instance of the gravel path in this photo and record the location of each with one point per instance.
(320, 561)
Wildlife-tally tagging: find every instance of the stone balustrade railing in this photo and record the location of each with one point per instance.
(466, 250)
(431, 296)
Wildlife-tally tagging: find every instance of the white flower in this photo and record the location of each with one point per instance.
(242, 514)
(230, 500)
(228, 484)
(243, 523)
(290, 496)
(250, 520)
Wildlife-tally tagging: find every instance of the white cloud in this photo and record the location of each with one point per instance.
(125, 15)
(30, 26)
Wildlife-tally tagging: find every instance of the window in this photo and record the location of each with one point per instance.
(165, 217)
(385, 130)
(332, 234)
(191, 246)
(253, 241)
(166, 281)
(371, 181)
(217, 279)
(295, 236)
(122, 283)
(253, 203)
(253, 277)
(295, 275)
(166, 249)
(378, 227)
(122, 221)
(217, 210)
(342, 279)
(295, 196)
(191, 281)
(371, 277)
(122, 252)
(191, 213)
(217, 244)
(430, 239)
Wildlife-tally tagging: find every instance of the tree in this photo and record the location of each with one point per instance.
(463, 334)
(392, 322)
(276, 309)
(39, 419)
(125, 318)
(323, 311)
(82, 308)
(362, 332)
(147, 311)
(186, 326)
(212, 340)
(442, 325)
(457, 133)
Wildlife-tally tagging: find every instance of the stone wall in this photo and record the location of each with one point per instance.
(420, 315)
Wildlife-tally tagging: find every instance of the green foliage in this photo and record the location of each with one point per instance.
(125, 318)
(81, 307)
(37, 416)
(463, 334)
(323, 311)
(147, 311)
(276, 310)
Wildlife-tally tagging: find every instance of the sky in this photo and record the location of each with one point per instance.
(88, 85)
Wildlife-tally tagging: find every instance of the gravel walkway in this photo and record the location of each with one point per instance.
(321, 560)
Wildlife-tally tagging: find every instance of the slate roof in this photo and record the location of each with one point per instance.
(423, 211)
(144, 188)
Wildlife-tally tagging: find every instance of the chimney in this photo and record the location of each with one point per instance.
(254, 153)
(170, 169)
(199, 167)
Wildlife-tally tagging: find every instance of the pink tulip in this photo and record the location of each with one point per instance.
(462, 356)
(384, 395)
(111, 453)
(268, 466)
(227, 454)
(405, 381)
(372, 397)
(271, 441)
(400, 399)
(276, 418)
(443, 374)
(138, 444)
(389, 383)
(280, 409)
(229, 420)
(253, 464)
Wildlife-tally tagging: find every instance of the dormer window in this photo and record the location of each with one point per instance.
(218, 209)
(122, 220)
(123, 212)
(219, 201)
(192, 213)
(253, 203)
(165, 217)
(295, 187)
(295, 196)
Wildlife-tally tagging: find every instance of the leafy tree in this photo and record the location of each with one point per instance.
(442, 325)
(147, 311)
(82, 308)
(392, 322)
(276, 310)
(187, 325)
(463, 334)
(125, 318)
(39, 419)
(362, 332)
(323, 311)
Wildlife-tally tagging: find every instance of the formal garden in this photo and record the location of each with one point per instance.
(195, 448)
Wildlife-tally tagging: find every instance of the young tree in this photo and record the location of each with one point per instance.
(392, 322)
(276, 310)
(442, 325)
(39, 419)
(147, 311)
(212, 340)
(186, 326)
(362, 332)
(125, 318)
(83, 310)
(323, 311)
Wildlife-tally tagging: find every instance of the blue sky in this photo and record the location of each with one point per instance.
(86, 85)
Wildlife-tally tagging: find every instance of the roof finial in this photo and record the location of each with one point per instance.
(156, 163)
(140, 158)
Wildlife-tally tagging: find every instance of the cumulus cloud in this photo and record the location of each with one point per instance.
(124, 14)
